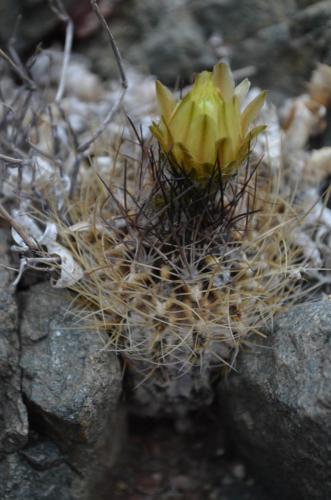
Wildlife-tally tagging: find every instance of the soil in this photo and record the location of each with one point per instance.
(187, 460)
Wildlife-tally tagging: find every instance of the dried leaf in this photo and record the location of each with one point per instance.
(70, 271)
(320, 85)
(318, 167)
(270, 144)
(302, 118)
(30, 227)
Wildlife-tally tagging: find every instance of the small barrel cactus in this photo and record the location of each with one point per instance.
(187, 258)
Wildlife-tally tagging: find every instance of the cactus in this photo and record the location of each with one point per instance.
(181, 270)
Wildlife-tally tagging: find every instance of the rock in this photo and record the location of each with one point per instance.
(310, 31)
(278, 407)
(71, 385)
(41, 453)
(242, 20)
(172, 40)
(13, 415)
(173, 54)
(149, 37)
(36, 22)
(32, 476)
(283, 41)
(272, 43)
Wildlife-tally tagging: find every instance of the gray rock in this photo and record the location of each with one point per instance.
(21, 480)
(71, 385)
(282, 40)
(157, 36)
(273, 44)
(242, 19)
(41, 453)
(278, 407)
(36, 21)
(310, 31)
(283, 48)
(169, 38)
(174, 49)
(13, 415)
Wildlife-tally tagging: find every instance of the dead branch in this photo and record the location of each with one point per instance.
(114, 109)
(58, 8)
(22, 74)
(74, 175)
(20, 67)
(32, 263)
(113, 44)
(112, 112)
(9, 159)
(18, 228)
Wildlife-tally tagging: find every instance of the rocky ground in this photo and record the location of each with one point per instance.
(193, 462)
(279, 42)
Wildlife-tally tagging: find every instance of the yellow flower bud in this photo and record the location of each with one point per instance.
(207, 128)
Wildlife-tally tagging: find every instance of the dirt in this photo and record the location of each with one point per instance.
(187, 460)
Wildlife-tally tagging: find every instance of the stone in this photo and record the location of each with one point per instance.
(272, 43)
(41, 453)
(282, 40)
(13, 415)
(242, 20)
(71, 385)
(37, 21)
(174, 54)
(149, 38)
(22, 481)
(278, 406)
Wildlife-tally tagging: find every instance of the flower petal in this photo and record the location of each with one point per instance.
(223, 79)
(232, 120)
(242, 89)
(163, 134)
(182, 120)
(251, 111)
(165, 100)
(256, 131)
(246, 146)
(202, 139)
(182, 156)
(201, 80)
(224, 153)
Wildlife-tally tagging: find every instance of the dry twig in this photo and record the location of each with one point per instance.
(113, 44)
(22, 74)
(114, 109)
(58, 8)
(9, 159)
(18, 228)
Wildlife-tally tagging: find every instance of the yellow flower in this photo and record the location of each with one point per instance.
(207, 127)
